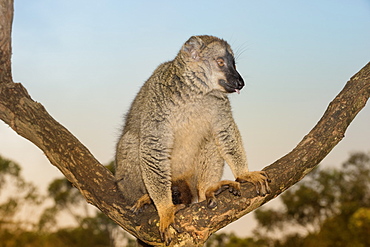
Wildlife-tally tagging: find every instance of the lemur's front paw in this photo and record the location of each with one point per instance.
(259, 179)
(213, 191)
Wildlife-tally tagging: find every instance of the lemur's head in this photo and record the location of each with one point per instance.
(212, 61)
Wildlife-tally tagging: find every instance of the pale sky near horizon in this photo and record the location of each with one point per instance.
(86, 60)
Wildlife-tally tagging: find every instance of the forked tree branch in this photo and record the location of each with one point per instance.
(196, 222)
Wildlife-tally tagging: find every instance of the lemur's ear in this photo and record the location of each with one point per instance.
(193, 46)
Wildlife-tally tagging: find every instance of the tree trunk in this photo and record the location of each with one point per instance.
(196, 222)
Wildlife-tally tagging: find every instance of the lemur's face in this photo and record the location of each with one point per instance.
(225, 77)
(212, 61)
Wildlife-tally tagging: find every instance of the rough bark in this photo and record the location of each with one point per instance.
(6, 21)
(196, 222)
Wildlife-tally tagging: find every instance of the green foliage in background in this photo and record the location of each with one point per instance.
(21, 227)
(329, 207)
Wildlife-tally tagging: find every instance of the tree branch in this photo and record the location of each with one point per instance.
(6, 20)
(196, 222)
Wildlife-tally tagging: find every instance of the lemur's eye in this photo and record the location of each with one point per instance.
(220, 62)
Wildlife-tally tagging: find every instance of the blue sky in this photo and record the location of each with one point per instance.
(85, 61)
